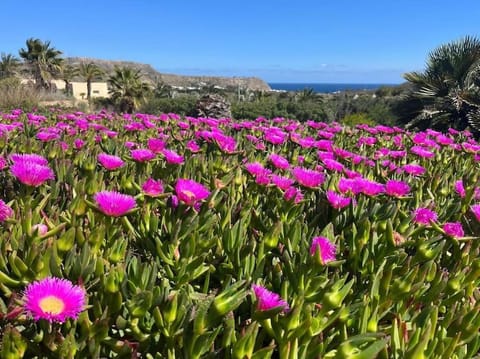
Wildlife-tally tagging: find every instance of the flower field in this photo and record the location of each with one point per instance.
(127, 236)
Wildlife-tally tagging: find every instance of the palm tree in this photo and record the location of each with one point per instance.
(127, 88)
(306, 95)
(44, 61)
(90, 72)
(447, 93)
(162, 90)
(68, 73)
(8, 65)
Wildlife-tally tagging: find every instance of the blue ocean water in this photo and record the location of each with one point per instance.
(323, 87)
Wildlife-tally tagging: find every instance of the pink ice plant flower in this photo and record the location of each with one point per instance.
(29, 157)
(142, 155)
(255, 168)
(190, 192)
(307, 177)
(156, 145)
(5, 211)
(475, 208)
(282, 182)
(413, 169)
(54, 299)
(114, 204)
(424, 216)
(396, 188)
(453, 229)
(110, 162)
(267, 300)
(460, 188)
(278, 161)
(172, 157)
(193, 146)
(293, 194)
(336, 200)
(326, 248)
(31, 173)
(152, 188)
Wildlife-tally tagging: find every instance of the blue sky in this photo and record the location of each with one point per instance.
(364, 41)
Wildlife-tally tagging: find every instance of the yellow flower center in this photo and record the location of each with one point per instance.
(52, 305)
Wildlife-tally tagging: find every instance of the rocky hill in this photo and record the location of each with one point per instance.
(152, 75)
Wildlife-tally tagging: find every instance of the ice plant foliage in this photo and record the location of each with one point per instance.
(370, 233)
(114, 204)
(54, 299)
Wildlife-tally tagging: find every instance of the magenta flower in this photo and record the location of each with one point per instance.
(282, 182)
(308, 178)
(413, 169)
(459, 188)
(278, 161)
(152, 188)
(156, 145)
(193, 146)
(78, 143)
(255, 168)
(336, 200)
(267, 300)
(172, 157)
(326, 249)
(421, 152)
(396, 188)
(54, 299)
(424, 216)
(294, 194)
(142, 155)
(5, 211)
(114, 204)
(453, 229)
(333, 165)
(190, 192)
(349, 185)
(110, 162)
(476, 211)
(30, 157)
(31, 173)
(370, 188)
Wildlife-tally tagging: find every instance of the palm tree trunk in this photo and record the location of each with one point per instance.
(89, 91)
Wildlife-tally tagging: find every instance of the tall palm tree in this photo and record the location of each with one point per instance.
(8, 65)
(447, 93)
(127, 88)
(68, 73)
(306, 95)
(90, 72)
(43, 59)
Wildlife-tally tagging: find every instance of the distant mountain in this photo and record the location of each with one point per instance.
(153, 76)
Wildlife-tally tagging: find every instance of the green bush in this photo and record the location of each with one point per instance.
(13, 94)
(182, 105)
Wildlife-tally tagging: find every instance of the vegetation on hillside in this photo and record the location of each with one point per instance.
(446, 94)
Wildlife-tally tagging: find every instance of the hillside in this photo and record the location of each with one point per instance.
(152, 75)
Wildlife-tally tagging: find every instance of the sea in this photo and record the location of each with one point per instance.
(323, 87)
